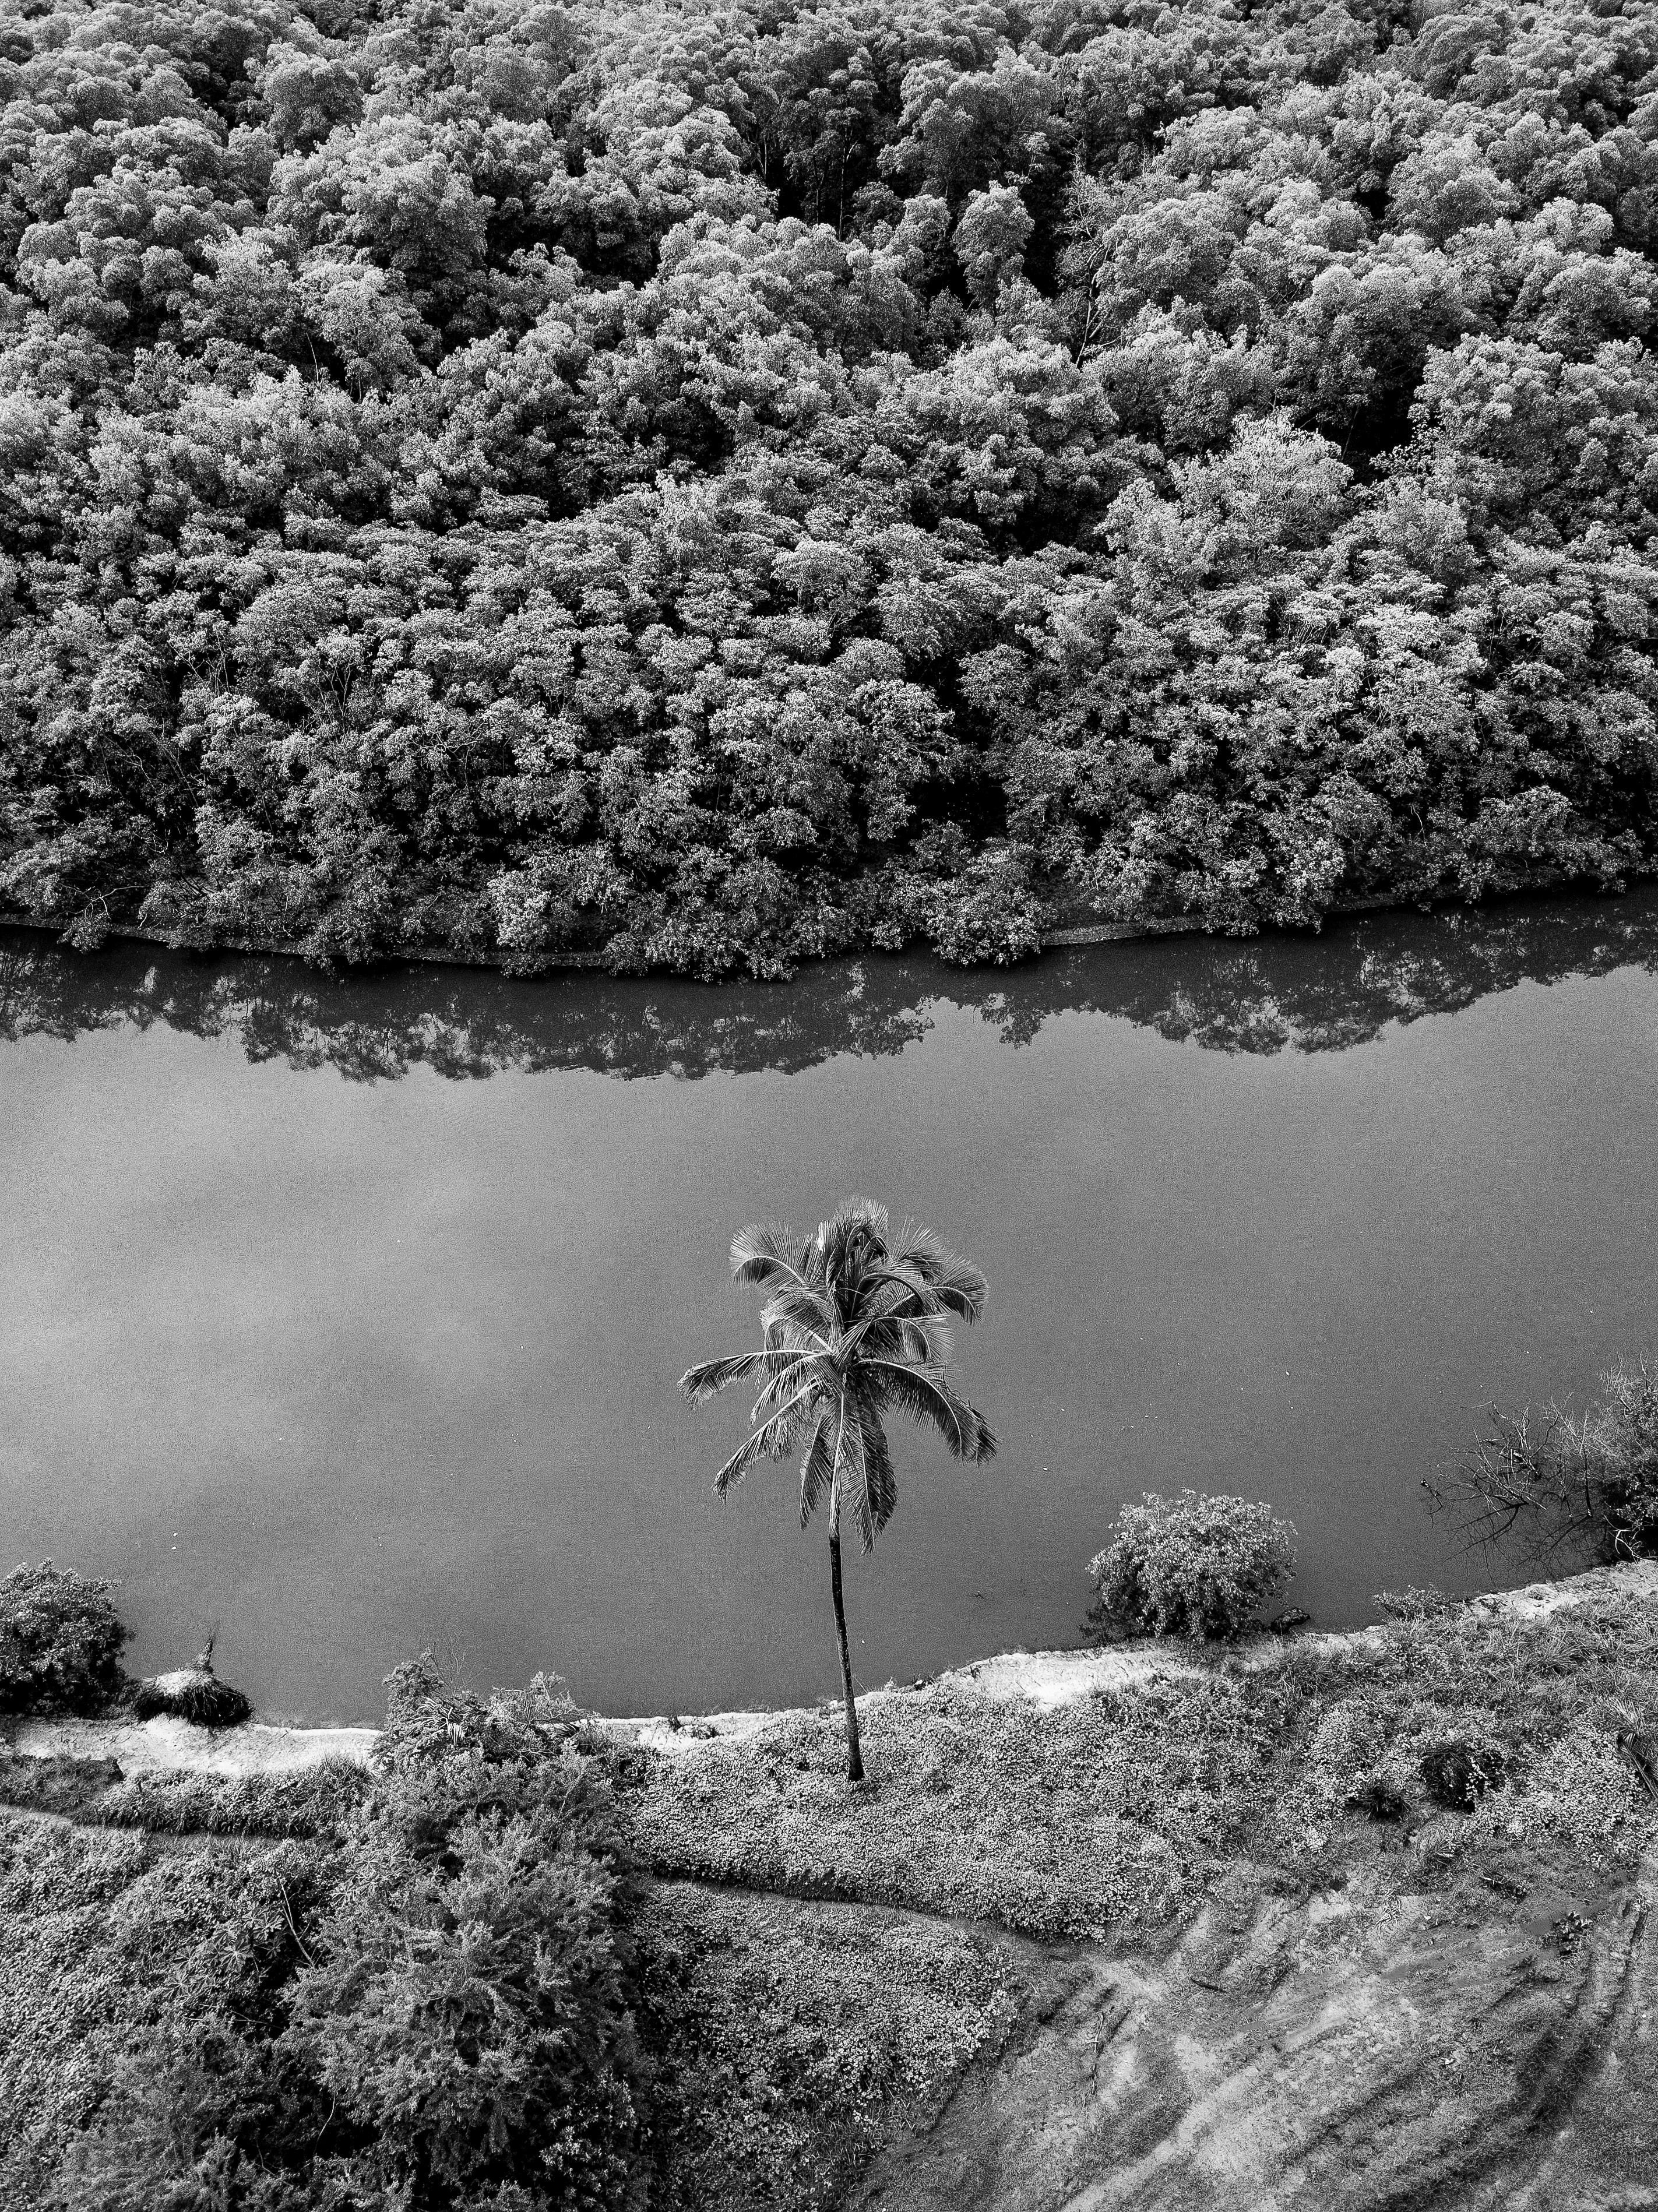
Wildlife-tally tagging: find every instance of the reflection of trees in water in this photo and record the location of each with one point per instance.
(1318, 993)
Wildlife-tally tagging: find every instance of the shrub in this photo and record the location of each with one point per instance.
(465, 2005)
(60, 1642)
(1190, 1566)
(1591, 1481)
(1382, 1799)
(428, 2007)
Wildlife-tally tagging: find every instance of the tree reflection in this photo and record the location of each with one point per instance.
(1262, 995)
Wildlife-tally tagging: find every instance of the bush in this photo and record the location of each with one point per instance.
(429, 2006)
(465, 2004)
(1190, 1566)
(1591, 1482)
(60, 1642)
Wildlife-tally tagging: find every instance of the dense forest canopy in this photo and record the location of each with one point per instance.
(729, 483)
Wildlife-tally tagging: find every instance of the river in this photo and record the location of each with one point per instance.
(342, 1315)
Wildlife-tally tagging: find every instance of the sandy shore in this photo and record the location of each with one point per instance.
(1046, 1678)
(165, 1746)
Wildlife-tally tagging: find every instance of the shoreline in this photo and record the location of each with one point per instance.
(1045, 1680)
(1065, 939)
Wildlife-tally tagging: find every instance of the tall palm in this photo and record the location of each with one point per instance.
(856, 1326)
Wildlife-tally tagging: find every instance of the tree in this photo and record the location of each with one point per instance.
(856, 1326)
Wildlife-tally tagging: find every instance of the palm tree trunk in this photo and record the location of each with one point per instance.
(854, 1755)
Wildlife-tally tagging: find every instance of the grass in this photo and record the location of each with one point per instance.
(792, 2038)
(95, 1791)
(1113, 1815)
(1053, 1825)
(106, 1942)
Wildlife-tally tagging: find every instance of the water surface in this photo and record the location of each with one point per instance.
(342, 1315)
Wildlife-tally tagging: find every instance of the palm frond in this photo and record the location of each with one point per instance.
(797, 1305)
(787, 1370)
(928, 1397)
(766, 1253)
(921, 1336)
(816, 1469)
(751, 1449)
(956, 1283)
(852, 1479)
(700, 1382)
(851, 1215)
(771, 1440)
(880, 1479)
(782, 1430)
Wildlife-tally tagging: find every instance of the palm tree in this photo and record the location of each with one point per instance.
(854, 1327)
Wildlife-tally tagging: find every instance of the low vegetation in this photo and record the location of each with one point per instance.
(1191, 1565)
(1114, 1813)
(310, 1802)
(792, 2038)
(423, 2002)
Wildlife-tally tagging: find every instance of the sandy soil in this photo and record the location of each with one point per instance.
(1360, 2052)
(163, 1746)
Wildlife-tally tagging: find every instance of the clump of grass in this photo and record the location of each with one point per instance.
(312, 1802)
(202, 1700)
(60, 1642)
(1190, 1566)
(1457, 1773)
(1413, 1603)
(68, 1786)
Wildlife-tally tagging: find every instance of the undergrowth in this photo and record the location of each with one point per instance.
(791, 2038)
(422, 2002)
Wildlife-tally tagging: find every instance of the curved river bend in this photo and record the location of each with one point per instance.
(343, 1316)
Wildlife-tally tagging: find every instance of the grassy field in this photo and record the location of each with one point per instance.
(1111, 1816)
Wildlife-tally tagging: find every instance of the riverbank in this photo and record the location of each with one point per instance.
(443, 956)
(1337, 1921)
